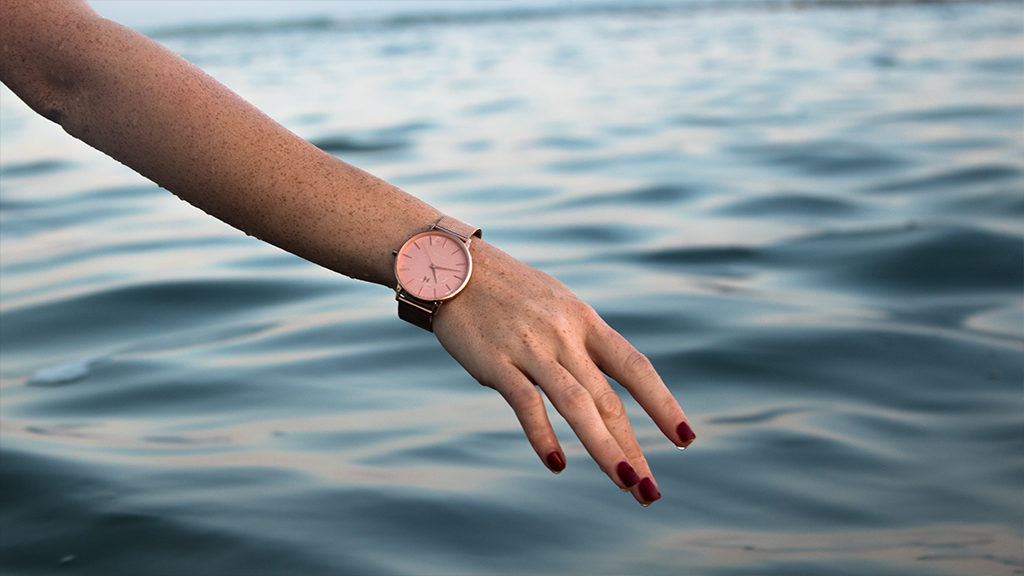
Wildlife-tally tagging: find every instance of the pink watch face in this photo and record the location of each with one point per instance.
(433, 265)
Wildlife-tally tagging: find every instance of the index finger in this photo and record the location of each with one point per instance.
(627, 366)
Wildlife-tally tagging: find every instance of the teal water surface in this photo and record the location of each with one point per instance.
(812, 222)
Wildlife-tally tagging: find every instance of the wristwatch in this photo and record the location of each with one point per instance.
(432, 267)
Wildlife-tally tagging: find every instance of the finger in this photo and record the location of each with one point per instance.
(528, 406)
(620, 360)
(613, 412)
(576, 405)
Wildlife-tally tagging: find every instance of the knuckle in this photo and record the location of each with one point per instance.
(580, 311)
(559, 327)
(520, 397)
(636, 365)
(576, 398)
(609, 405)
(497, 378)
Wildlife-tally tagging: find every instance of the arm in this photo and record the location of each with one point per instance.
(131, 98)
(513, 328)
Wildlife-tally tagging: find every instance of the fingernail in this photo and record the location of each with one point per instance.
(686, 433)
(648, 491)
(628, 476)
(556, 462)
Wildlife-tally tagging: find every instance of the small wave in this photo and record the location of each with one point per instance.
(386, 139)
(430, 176)
(583, 234)
(62, 373)
(955, 114)
(66, 520)
(824, 158)
(759, 417)
(922, 260)
(343, 144)
(791, 204)
(99, 319)
(959, 178)
(648, 195)
(913, 260)
(566, 143)
(1009, 203)
(715, 255)
(36, 168)
(494, 107)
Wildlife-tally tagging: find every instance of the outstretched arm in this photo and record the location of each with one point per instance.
(513, 328)
(152, 110)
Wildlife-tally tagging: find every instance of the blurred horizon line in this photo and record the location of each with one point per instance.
(412, 19)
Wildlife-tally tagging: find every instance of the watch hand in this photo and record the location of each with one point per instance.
(443, 268)
(426, 253)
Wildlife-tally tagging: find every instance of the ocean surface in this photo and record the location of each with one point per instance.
(811, 220)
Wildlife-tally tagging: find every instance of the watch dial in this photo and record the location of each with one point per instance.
(433, 266)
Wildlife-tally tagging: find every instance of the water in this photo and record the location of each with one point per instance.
(810, 220)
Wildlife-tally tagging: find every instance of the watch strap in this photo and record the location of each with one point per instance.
(417, 312)
(464, 231)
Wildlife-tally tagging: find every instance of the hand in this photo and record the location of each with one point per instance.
(515, 329)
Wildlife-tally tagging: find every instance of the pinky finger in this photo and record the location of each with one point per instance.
(527, 403)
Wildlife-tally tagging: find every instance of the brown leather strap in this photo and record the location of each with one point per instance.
(415, 312)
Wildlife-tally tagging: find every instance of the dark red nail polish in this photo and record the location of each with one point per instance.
(556, 462)
(628, 476)
(686, 433)
(648, 491)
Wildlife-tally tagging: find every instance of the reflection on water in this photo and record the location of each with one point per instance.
(810, 220)
(962, 548)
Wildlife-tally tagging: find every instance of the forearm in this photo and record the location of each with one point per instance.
(143, 105)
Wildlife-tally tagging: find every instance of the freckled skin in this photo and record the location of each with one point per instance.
(513, 328)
